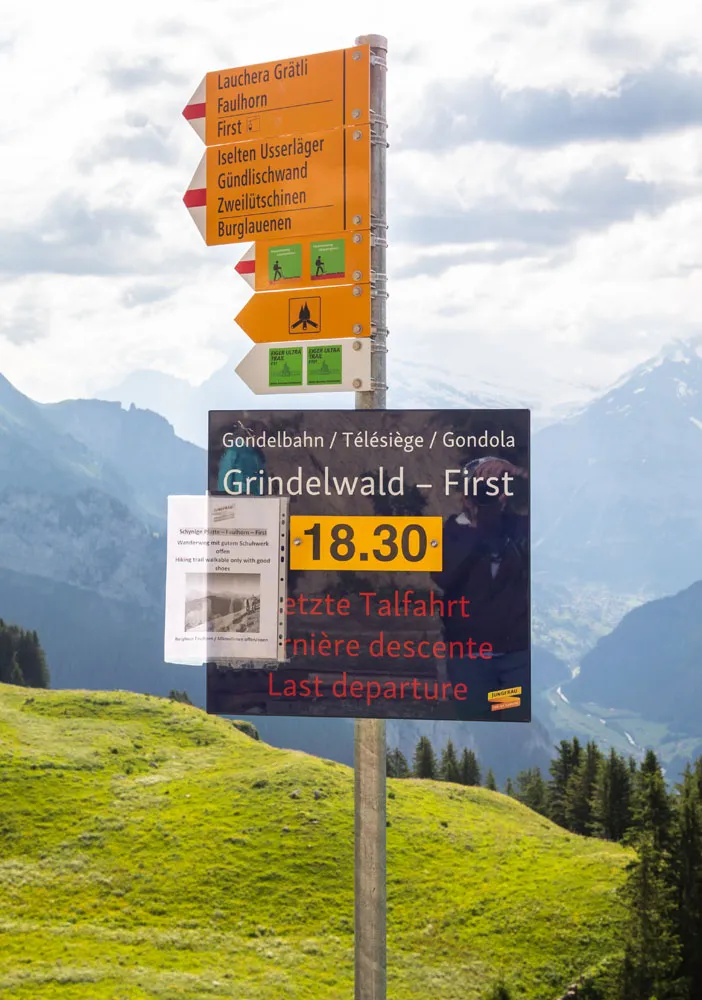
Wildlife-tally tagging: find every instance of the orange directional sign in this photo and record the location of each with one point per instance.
(303, 94)
(332, 259)
(294, 185)
(337, 311)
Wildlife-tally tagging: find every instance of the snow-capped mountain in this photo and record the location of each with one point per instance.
(617, 485)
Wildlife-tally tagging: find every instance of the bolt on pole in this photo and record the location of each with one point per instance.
(369, 740)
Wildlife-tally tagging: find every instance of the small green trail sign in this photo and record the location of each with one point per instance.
(284, 263)
(327, 260)
(284, 366)
(324, 365)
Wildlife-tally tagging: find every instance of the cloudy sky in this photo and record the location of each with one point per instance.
(545, 176)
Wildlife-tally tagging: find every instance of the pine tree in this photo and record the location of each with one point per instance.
(651, 806)
(697, 776)
(531, 789)
(611, 798)
(449, 769)
(181, 696)
(509, 788)
(686, 865)
(560, 770)
(7, 656)
(15, 673)
(470, 769)
(22, 659)
(396, 765)
(579, 789)
(652, 951)
(424, 765)
(490, 781)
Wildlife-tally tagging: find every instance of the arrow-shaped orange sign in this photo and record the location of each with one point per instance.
(325, 90)
(325, 313)
(310, 262)
(292, 186)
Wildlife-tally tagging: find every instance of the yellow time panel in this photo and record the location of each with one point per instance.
(366, 543)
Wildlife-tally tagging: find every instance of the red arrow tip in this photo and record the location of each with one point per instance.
(191, 111)
(195, 197)
(245, 267)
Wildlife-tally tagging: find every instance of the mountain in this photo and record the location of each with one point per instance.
(650, 663)
(616, 486)
(639, 687)
(140, 444)
(150, 850)
(89, 540)
(82, 542)
(96, 642)
(83, 487)
(411, 385)
(36, 455)
(569, 617)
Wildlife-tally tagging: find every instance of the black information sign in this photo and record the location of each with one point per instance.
(408, 570)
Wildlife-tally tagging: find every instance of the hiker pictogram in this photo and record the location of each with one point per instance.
(277, 271)
(305, 315)
(319, 265)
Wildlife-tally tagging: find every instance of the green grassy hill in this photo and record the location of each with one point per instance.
(150, 851)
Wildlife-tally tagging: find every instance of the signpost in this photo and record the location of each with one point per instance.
(382, 505)
(300, 184)
(322, 366)
(322, 91)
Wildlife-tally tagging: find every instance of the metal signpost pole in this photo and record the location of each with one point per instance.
(369, 745)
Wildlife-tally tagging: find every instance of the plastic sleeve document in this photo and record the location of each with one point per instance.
(226, 578)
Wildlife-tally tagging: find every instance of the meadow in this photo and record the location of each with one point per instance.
(149, 851)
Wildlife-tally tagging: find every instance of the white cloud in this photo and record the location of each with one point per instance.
(569, 263)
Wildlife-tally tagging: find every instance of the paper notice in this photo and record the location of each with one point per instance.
(225, 578)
